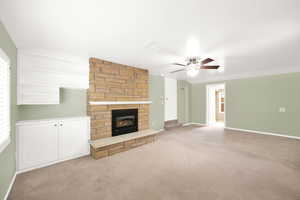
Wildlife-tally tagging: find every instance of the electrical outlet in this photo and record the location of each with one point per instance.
(282, 109)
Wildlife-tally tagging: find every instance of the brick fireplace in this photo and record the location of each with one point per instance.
(111, 82)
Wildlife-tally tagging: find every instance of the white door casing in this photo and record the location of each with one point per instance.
(211, 102)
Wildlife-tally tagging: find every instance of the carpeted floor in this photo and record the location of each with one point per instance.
(187, 163)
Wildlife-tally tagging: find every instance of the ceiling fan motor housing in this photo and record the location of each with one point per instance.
(193, 60)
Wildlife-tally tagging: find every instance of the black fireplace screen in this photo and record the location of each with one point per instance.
(124, 121)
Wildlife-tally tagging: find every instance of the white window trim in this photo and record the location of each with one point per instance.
(5, 140)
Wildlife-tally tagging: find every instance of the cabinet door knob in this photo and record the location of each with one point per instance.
(55, 124)
(61, 124)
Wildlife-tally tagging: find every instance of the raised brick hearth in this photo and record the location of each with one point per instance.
(109, 146)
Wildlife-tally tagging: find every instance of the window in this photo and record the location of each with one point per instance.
(221, 102)
(4, 101)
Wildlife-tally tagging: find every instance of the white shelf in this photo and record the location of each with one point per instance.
(118, 102)
(27, 122)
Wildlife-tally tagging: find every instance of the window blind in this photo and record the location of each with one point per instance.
(4, 102)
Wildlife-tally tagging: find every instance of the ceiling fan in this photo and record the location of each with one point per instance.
(194, 64)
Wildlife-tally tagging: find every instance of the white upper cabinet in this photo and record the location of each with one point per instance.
(40, 76)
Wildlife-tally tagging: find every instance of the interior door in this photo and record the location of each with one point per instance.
(38, 144)
(73, 138)
(183, 102)
(170, 99)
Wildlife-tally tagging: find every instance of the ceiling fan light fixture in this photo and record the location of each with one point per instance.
(192, 72)
(221, 69)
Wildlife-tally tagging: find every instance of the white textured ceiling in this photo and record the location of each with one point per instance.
(247, 37)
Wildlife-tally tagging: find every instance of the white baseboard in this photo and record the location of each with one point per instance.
(20, 171)
(193, 123)
(264, 133)
(10, 186)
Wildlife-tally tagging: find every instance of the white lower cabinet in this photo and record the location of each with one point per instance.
(37, 144)
(71, 142)
(43, 142)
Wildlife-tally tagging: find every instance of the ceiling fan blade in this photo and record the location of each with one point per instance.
(178, 64)
(179, 70)
(207, 60)
(210, 67)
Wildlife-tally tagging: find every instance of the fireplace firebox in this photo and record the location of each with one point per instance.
(124, 121)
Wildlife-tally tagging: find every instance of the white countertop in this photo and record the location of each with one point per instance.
(50, 119)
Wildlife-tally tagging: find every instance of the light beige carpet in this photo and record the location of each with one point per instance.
(187, 163)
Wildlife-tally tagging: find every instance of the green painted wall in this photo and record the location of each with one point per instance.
(7, 157)
(253, 103)
(197, 103)
(73, 102)
(156, 94)
(183, 104)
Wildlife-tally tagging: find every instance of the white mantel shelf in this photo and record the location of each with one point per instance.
(118, 102)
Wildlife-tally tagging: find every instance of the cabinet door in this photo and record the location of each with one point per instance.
(38, 144)
(73, 138)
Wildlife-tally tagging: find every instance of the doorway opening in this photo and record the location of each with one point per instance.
(215, 104)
